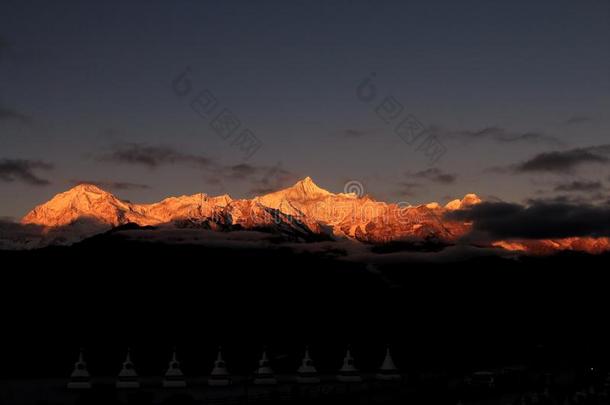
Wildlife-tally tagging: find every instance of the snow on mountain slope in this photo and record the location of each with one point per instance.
(301, 211)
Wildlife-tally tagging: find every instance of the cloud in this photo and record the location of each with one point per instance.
(4, 46)
(577, 119)
(496, 134)
(263, 178)
(23, 170)
(564, 161)
(539, 220)
(408, 188)
(580, 186)
(112, 185)
(213, 181)
(14, 235)
(9, 114)
(271, 178)
(241, 171)
(418, 180)
(575, 199)
(356, 133)
(153, 156)
(435, 175)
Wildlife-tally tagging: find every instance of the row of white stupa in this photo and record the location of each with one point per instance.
(220, 376)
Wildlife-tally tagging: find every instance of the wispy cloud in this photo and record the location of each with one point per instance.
(435, 175)
(577, 119)
(9, 114)
(24, 170)
(408, 188)
(241, 171)
(496, 134)
(112, 185)
(263, 178)
(416, 181)
(153, 156)
(357, 133)
(564, 161)
(580, 186)
(571, 198)
(272, 178)
(4, 47)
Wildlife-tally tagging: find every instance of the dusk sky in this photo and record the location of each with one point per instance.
(517, 93)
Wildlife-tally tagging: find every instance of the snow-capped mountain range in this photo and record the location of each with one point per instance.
(303, 211)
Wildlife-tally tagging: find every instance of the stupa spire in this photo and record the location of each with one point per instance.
(80, 378)
(388, 370)
(174, 378)
(128, 378)
(219, 375)
(264, 373)
(349, 372)
(307, 373)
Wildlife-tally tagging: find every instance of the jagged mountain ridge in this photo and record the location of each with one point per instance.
(300, 211)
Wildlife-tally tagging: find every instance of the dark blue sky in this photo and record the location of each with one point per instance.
(87, 88)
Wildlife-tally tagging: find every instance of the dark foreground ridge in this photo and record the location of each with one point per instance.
(107, 294)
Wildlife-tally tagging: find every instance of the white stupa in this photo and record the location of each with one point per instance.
(128, 378)
(307, 373)
(349, 372)
(388, 371)
(264, 374)
(174, 378)
(80, 378)
(220, 375)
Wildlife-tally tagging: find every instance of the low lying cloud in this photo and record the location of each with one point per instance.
(14, 235)
(112, 185)
(24, 170)
(539, 220)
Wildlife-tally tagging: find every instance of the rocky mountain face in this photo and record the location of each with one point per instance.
(302, 212)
